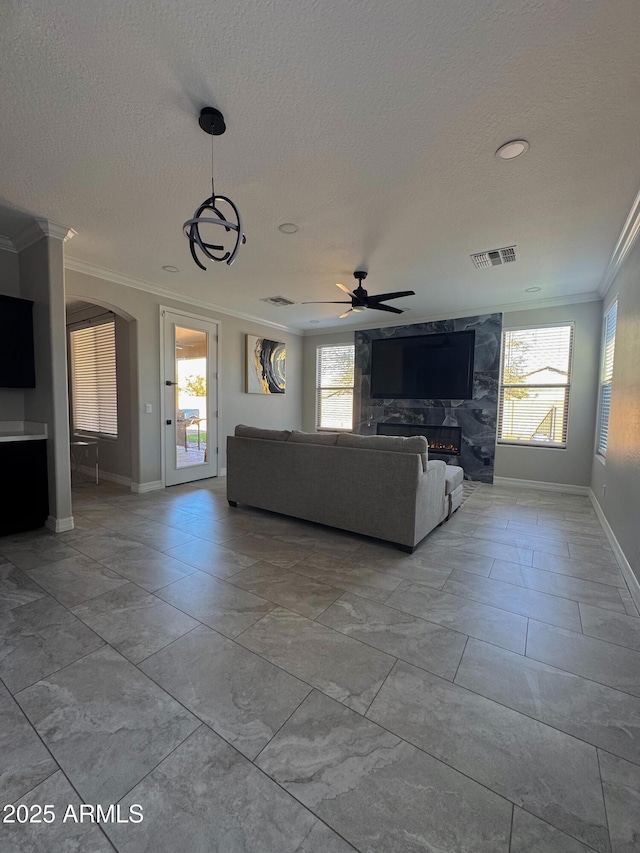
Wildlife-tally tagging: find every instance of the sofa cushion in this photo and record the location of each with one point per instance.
(395, 443)
(453, 477)
(313, 437)
(256, 432)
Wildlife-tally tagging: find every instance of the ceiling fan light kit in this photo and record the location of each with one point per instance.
(360, 299)
(212, 122)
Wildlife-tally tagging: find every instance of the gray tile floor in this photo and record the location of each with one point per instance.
(262, 685)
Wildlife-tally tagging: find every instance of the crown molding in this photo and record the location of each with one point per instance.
(6, 245)
(148, 287)
(38, 229)
(504, 308)
(626, 240)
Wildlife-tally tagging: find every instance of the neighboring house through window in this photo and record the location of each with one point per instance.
(94, 400)
(606, 375)
(535, 383)
(334, 387)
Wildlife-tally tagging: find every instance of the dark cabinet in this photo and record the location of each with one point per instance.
(23, 471)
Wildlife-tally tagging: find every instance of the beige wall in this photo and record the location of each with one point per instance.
(275, 411)
(620, 472)
(571, 466)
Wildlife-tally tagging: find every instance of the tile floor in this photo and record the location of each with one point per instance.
(264, 685)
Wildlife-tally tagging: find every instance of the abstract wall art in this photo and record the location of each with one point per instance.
(265, 366)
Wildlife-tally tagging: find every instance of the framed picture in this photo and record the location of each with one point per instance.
(265, 366)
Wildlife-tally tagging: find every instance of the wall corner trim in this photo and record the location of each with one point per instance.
(626, 240)
(59, 525)
(632, 581)
(142, 488)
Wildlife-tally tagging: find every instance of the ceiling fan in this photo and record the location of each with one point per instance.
(360, 299)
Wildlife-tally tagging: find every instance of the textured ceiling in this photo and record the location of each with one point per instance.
(371, 124)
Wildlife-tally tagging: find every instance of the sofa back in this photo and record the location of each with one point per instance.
(361, 489)
(392, 443)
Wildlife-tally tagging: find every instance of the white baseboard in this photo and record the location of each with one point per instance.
(541, 486)
(115, 478)
(632, 581)
(59, 525)
(141, 488)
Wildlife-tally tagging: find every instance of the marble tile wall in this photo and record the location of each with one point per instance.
(477, 417)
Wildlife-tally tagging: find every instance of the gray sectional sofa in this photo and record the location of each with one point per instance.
(380, 486)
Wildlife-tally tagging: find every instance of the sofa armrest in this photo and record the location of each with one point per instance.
(430, 498)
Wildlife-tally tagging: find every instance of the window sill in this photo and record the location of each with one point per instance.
(94, 436)
(601, 459)
(538, 444)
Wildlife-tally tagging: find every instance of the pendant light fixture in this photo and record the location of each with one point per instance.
(212, 122)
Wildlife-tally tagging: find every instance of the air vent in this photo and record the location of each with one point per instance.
(494, 257)
(280, 301)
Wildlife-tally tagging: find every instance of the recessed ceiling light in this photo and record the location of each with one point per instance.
(511, 150)
(288, 228)
(169, 268)
(532, 289)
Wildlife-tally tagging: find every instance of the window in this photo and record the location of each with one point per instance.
(94, 399)
(334, 387)
(534, 391)
(608, 349)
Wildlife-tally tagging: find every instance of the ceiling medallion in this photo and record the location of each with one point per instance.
(212, 122)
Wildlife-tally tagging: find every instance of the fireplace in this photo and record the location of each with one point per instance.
(445, 440)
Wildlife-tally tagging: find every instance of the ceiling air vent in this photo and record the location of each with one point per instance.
(494, 257)
(280, 301)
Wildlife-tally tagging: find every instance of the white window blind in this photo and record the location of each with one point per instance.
(534, 392)
(94, 399)
(608, 350)
(334, 387)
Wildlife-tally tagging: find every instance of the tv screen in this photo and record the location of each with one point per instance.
(432, 367)
(17, 369)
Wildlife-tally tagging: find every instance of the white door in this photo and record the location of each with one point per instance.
(190, 396)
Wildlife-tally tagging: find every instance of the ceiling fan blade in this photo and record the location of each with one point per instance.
(386, 308)
(382, 297)
(346, 289)
(337, 302)
(345, 313)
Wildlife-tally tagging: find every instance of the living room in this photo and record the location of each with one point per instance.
(364, 138)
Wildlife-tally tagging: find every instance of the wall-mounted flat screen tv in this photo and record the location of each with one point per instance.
(17, 368)
(424, 367)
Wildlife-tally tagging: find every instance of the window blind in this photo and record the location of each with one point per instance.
(533, 402)
(94, 398)
(606, 376)
(334, 387)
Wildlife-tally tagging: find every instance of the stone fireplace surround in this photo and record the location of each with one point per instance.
(443, 440)
(477, 417)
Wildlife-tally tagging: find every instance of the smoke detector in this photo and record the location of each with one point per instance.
(280, 301)
(494, 257)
